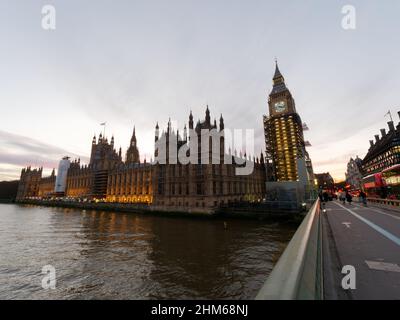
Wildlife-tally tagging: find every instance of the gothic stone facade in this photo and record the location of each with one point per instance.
(165, 184)
(28, 186)
(354, 173)
(199, 186)
(32, 184)
(47, 185)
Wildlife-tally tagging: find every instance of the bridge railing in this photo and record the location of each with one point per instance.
(298, 273)
(387, 202)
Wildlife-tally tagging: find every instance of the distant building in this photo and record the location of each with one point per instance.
(341, 185)
(167, 183)
(284, 136)
(130, 183)
(46, 185)
(29, 183)
(32, 184)
(132, 155)
(384, 151)
(90, 181)
(354, 173)
(325, 180)
(204, 186)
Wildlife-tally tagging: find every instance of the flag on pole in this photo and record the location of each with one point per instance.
(104, 130)
(390, 115)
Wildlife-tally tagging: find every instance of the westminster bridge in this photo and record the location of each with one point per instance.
(341, 251)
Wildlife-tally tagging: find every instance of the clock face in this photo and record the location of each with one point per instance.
(280, 106)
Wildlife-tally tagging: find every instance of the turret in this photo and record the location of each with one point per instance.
(391, 126)
(185, 133)
(208, 116)
(133, 138)
(169, 126)
(191, 120)
(157, 133)
(132, 154)
(221, 123)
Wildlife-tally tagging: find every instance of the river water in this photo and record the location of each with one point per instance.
(105, 255)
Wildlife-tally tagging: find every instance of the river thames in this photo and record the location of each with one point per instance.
(105, 255)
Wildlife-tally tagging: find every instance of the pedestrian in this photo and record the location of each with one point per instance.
(348, 197)
(325, 195)
(363, 197)
(343, 197)
(321, 199)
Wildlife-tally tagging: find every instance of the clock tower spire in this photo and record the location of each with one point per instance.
(280, 99)
(278, 77)
(283, 128)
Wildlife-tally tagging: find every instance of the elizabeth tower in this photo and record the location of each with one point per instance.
(283, 132)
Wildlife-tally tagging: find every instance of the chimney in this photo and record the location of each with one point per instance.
(391, 125)
(371, 142)
(377, 137)
(383, 132)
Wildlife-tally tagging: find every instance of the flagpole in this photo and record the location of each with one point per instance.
(390, 115)
(104, 129)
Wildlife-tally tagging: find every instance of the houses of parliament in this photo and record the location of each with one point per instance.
(167, 183)
(162, 184)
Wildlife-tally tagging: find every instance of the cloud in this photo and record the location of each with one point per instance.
(18, 151)
(28, 144)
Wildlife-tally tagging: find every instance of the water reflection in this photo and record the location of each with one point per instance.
(103, 255)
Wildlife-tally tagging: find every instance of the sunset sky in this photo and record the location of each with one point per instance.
(138, 62)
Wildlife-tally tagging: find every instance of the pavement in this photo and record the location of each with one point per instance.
(368, 239)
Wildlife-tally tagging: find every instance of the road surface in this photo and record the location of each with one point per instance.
(367, 238)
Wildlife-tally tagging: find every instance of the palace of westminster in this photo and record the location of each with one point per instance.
(166, 184)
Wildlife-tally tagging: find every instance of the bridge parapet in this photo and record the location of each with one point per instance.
(298, 273)
(387, 202)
